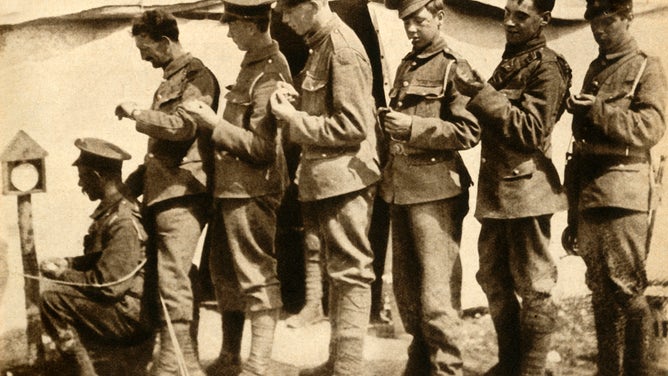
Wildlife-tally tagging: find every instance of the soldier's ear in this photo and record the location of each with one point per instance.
(440, 16)
(545, 18)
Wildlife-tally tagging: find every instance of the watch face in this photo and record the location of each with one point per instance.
(24, 176)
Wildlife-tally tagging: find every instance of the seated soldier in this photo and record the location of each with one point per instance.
(99, 295)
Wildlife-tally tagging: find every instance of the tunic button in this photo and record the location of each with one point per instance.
(269, 61)
(399, 104)
(433, 159)
(404, 84)
(483, 160)
(323, 155)
(150, 155)
(414, 63)
(516, 172)
(310, 50)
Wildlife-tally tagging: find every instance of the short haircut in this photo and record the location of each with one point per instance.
(542, 5)
(156, 23)
(434, 6)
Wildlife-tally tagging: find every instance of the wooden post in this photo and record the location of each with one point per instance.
(31, 288)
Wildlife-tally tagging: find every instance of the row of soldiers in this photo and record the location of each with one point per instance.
(231, 172)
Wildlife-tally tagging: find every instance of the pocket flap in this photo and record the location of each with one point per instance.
(237, 98)
(313, 84)
(425, 90)
(523, 170)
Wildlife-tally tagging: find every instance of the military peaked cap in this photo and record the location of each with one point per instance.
(597, 8)
(97, 153)
(406, 7)
(246, 10)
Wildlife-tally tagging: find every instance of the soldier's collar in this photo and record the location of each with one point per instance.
(517, 49)
(316, 37)
(176, 65)
(107, 204)
(258, 54)
(631, 46)
(432, 49)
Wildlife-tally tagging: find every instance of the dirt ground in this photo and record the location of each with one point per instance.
(300, 348)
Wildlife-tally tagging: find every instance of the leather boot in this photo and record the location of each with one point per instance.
(74, 352)
(312, 312)
(538, 321)
(354, 304)
(263, 326)
(229, 359)
(327, 368)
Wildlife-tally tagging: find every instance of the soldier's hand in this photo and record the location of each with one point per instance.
(53, 267)
(579, 102)
(467, 81)
(125, 109)
(287, 90)
(281, 106)
(201, 112)
(397, 125)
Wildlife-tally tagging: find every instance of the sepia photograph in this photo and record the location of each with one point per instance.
(333, 187)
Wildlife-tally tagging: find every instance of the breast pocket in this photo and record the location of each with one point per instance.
(314, 94)
(427, 96)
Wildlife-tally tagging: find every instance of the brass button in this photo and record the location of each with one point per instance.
(516, 172)
(404, 84)
(269, 61)
(310, 51)
(323, 155)
(399, 104)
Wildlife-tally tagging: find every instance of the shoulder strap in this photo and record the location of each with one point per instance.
(447, 74)
(632, 92)
(607, 72)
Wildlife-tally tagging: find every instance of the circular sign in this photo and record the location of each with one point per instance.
(24, 177)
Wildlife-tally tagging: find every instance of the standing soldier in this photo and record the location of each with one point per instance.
(99, 294)
(519, 187)
(426, 183)
(173, 178)
(617, 118)
(250, 178)
(338, 168)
